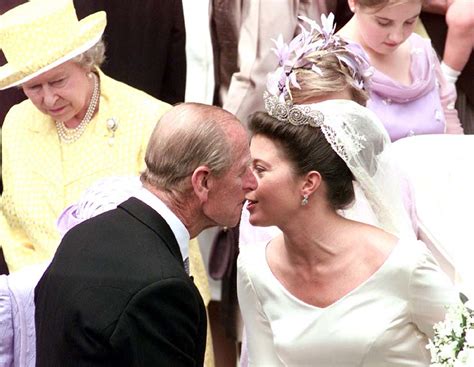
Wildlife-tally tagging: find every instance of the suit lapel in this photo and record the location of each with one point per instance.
(150, 218)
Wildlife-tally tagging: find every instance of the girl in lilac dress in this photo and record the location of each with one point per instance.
(408, 92)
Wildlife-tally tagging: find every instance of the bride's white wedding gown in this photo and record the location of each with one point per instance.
(386, 321)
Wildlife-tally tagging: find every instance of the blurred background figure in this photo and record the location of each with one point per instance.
(460, 37)
(145, 43)
(450, 27)
(199, 53)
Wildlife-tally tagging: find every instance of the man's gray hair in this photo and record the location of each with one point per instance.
(188, 136)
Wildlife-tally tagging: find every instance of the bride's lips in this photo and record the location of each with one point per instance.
(251, 204)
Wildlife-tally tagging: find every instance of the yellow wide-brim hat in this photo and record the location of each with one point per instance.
(42, 34)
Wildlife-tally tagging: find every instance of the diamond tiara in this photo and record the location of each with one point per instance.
(293, 114)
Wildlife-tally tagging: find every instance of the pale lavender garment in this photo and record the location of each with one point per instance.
(17, 316)
(102, 196)
(414, 109)
(68, 219)
(244, 353)
(6, 324)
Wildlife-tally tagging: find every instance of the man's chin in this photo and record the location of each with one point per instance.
(232, 223)
(226, 222)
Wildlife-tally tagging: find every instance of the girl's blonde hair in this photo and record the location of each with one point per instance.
(380, 4)
(335, 77)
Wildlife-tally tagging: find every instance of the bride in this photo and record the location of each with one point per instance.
(331, 291)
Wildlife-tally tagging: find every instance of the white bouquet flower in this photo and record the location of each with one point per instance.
(453, 342)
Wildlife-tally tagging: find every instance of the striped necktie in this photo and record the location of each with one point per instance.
(186, 265)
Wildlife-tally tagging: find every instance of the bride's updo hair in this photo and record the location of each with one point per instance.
(308, 150)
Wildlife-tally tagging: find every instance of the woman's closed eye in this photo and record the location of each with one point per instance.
(58, 82)
(33, 88)
(383, 23)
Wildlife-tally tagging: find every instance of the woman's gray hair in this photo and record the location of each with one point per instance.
(93, 57)
(194, 136)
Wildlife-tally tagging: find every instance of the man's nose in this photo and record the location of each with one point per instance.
(250, 183)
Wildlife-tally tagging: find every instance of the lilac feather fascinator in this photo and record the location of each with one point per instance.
(307, 48)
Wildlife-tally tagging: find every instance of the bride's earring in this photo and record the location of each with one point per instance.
(305, 200)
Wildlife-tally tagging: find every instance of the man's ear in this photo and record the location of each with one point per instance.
(352, 5)
(201, 182)
(312, 181)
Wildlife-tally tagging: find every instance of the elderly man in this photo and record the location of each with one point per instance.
(117, 292)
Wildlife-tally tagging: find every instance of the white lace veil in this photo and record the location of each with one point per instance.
(359, 138)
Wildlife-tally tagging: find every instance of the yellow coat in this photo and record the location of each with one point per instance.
(42, 176)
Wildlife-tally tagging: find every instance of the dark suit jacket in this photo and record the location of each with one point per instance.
(116, 294)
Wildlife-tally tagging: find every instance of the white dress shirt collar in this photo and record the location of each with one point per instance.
(177, 227)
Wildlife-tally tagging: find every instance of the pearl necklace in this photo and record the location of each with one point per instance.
(69, 136)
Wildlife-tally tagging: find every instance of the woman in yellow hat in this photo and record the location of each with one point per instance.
(77, 125)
